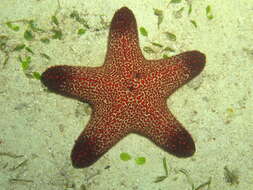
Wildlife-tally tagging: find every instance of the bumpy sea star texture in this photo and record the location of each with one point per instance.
(127, 94)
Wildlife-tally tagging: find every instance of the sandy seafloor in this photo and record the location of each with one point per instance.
(38, 128)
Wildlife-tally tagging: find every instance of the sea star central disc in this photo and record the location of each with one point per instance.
(127, 94)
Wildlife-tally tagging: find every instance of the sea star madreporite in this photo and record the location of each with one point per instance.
(127, 94)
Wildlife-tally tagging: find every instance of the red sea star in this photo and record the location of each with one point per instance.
(127, 94)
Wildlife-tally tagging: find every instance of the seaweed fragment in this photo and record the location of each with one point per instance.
(18, 180)
(175, 1)
(188, 177)
(201, 186)
(231, 176)
(11, 155)
(209, 13)
(12, 26)
(161, 178)
(159, 14)
(76, 16)
(22, 164)
(190, 181)
(143, 31)
(171, 36)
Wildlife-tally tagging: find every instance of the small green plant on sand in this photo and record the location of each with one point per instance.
(125, 156)
(139, 160)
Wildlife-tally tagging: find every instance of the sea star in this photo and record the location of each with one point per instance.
(127, 94)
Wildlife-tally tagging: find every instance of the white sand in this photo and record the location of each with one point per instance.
(42, 126)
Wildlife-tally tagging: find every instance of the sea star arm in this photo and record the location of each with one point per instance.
(77, 82)
(123, 44)
(174, 72)
(159, 125)
(104, 130)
